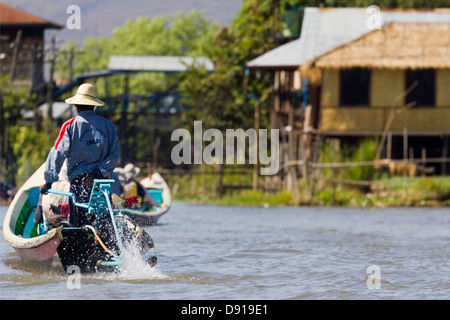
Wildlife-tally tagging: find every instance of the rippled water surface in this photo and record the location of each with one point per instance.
(214, 252)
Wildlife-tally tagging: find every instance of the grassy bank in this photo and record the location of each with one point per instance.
(433, 191)
(396, 192)
(379, 188)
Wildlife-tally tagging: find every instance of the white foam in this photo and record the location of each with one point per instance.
(134, 267)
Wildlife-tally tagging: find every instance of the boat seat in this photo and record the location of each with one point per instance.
(156, 194)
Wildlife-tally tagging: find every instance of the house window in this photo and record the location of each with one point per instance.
(424, 92)
(355, 87)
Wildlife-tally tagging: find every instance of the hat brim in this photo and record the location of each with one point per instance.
(132, 169)
(84, 100)
(133, 172)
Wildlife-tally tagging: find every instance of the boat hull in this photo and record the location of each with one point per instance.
(147, 218)
(18, 226)
(44, 252)
(157, 187)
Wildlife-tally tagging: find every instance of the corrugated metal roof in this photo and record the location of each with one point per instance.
(284, 56)
(158, 63)
(325, 29)
(10, 16)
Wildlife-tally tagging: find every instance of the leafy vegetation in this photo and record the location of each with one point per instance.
(13, 101)
(30, 148)
(366, 151)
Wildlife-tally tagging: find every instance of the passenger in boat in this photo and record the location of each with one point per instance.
(154, 177)
(90, 144)
(134, 193)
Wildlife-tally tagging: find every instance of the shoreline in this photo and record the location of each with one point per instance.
(240, 201)
(416, 192)
(265, 205)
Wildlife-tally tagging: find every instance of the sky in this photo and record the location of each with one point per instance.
(102, 16)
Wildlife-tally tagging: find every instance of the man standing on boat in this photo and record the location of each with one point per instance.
(90, 145)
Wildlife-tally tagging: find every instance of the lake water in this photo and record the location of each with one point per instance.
(209, 252)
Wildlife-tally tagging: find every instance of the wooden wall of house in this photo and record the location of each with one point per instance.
(286, 82)
(29, 39)
(385, 87)
(443, 88)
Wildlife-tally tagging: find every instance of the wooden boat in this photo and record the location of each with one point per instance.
(84, 247)
(158, 189)
(19, 229)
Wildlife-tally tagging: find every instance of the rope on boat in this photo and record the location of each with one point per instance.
(97, 237)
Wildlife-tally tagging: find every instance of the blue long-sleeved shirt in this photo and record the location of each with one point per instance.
(88, 141)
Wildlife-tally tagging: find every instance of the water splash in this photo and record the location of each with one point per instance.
(135, 267)
(133, 262)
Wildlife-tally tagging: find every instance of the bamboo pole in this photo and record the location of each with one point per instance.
(393, 114)
(15, 56)
(256, 165)
(405, 160)
(51, 87)
(389, 156)
(334, 154)
(424, 157)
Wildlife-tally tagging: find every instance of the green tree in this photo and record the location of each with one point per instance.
(218, 98)
(12, 101)
(180, 35)
(30, 149)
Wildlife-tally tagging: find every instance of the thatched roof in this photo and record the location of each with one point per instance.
(393, 46)
(324, 29)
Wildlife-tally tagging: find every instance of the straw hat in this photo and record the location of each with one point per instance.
(85, 96)
(130, 170)
(120, 174)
